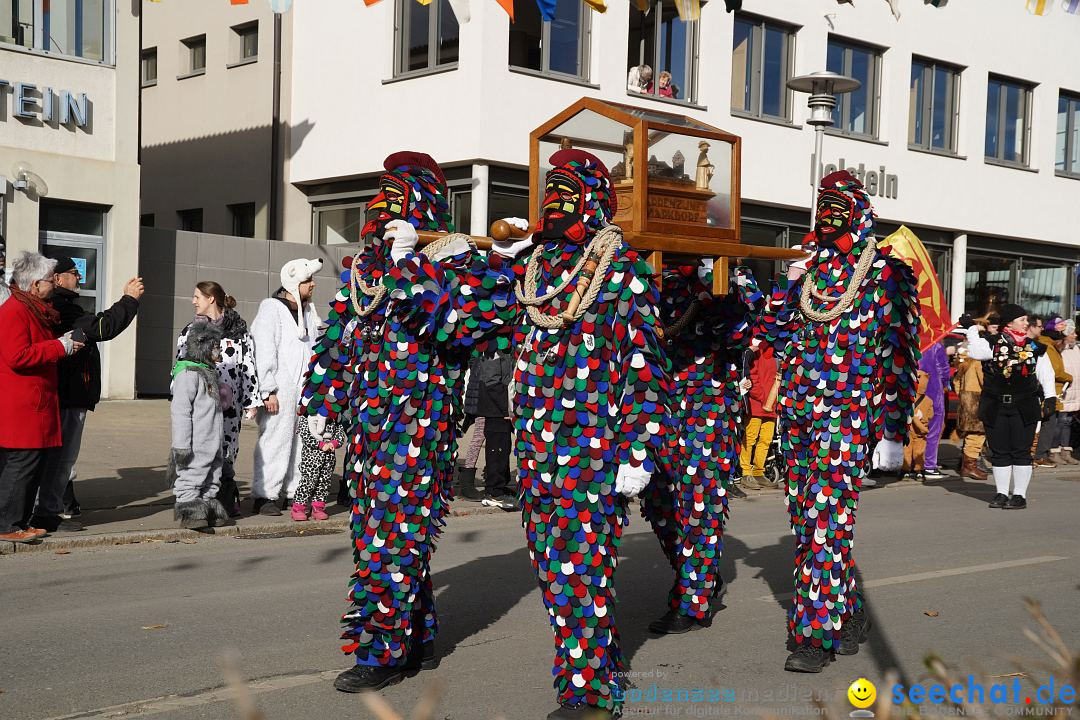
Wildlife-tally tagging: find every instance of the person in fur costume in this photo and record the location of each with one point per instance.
(196, 456)
(383, 356)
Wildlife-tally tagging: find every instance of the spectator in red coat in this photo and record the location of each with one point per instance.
(29, 406)
(761, 426)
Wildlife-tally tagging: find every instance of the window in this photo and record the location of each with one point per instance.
(245, 43)
(76, 231)
(148, 65)
(146, 220)
(75, 28)
(1007, 110)
(987, 283)
(195, 55)
(191, 220)
(857, 111)
(426, 37)
(933, 104)
(559, 47)
(668, 46)
(341, 223)
(1067, 156)
(243, 219)
(761, 59)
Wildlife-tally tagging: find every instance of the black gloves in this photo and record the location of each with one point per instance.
(1049, 407)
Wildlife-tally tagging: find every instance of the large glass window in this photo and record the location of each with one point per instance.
(339, 223)
(987, 283)
(856, 111)
(1067, 154)
(1044, 287)
(668, 47)
(75, 28)
(761, 59)
(426, 36)
(1007, 111)
(558, 47)
(932, 105)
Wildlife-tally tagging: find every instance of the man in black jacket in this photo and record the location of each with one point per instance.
(488, 396)
(79, 387)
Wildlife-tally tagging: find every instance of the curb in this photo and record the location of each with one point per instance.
(285, 528)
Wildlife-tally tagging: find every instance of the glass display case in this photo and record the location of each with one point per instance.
(676, 178)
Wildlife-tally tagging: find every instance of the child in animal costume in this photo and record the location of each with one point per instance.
(687, 502)
(317, 460)
(845, 334)
(387, 352)
(196, 456)
(285, 330)
(915, 448)
(589, 398)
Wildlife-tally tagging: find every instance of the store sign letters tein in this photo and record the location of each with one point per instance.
(877, 182)
(28, 102)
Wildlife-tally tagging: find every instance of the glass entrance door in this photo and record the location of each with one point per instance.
(77, 232)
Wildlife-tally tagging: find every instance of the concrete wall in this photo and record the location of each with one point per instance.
(207, 138)
(172, 262)
(98, 165)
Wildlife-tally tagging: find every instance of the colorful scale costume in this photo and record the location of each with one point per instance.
(402, 382)
(847, 382)
(687, 502)
(588, 398)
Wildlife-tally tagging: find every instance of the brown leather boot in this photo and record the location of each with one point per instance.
(970, 469)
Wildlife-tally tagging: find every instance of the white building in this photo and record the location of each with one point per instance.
(973, 145)
(69, 173)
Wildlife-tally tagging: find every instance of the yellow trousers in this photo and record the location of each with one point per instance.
(973, 444)
(759, 435)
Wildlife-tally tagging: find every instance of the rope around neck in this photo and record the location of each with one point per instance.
(679, 325)
(378, 292)
(603, 244)
(844, 302)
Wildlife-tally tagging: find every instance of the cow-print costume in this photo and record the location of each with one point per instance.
(316, 466)
(236, 375)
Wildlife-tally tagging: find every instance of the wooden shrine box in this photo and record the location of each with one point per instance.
(676, 178)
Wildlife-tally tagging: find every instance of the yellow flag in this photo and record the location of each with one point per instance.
(1039, 7)
(689, 10)
(935, 322)
(597, 5)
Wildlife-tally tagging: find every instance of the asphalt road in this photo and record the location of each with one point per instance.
(138, 631)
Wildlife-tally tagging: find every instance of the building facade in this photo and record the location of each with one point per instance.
(69, 172)
(973, 146)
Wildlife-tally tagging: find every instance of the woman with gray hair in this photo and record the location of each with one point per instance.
(29, 408)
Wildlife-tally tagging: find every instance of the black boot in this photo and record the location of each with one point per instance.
(465, 484)
(580, 712)
(808, 659)
(999, 501)
(855, 631)
(362, 678)
(675, 623)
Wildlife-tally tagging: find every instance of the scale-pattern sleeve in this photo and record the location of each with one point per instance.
(898, 314)
(425, 291)
(325, 389)
(646, 376)
(487, 303)
(777, 322)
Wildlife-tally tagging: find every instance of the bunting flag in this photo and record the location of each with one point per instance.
(1039, 7)
(643, 5)
(936, 3)
(508, 6)
(280, 6)
(239, 2)
(935, 322)
(689, 10)
(597, 5)
(547, 9)
(1071, 6)
(894, 6)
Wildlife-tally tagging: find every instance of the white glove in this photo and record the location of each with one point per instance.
(402, 238)
(512, 247)
(316, 426)
(888, 455)
(68, 343)
(798, 268)
(631, 480)
(745, 385)
(704, 271)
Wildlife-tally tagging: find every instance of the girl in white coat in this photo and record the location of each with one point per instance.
(285, 331)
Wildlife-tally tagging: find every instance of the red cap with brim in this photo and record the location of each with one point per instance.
(563, 157)
(410, 158)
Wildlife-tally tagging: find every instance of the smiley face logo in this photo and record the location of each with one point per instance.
(862, 693)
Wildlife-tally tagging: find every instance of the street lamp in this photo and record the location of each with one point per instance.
(823, 87)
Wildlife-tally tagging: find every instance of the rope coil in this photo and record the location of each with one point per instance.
(844, 302)
(603, 245)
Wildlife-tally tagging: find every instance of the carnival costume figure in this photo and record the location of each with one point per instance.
(845, 334)
(686, 502)
(589, 393)
(382, 362)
